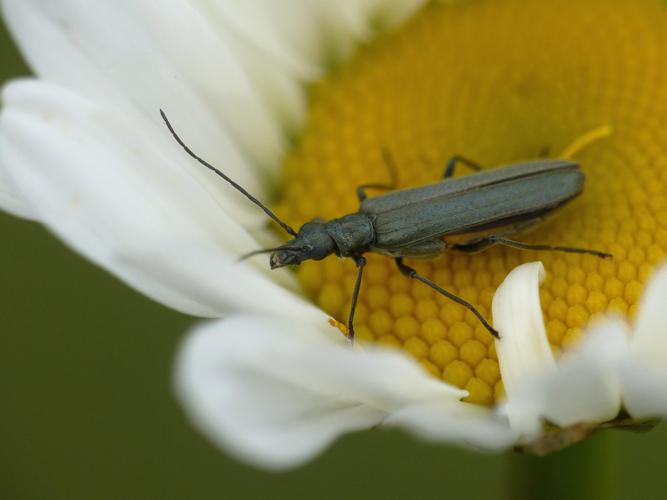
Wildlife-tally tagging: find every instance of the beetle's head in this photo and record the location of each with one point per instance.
(312, 242)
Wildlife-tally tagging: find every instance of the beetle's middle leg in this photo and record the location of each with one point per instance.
(451, 165)
(393, 171)
(527, 246)
(411, 273)
(361, 263)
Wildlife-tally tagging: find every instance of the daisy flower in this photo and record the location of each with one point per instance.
(295, 101)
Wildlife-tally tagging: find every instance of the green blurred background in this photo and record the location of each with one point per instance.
(88, 411)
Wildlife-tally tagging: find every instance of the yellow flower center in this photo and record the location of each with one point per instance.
(497, 81)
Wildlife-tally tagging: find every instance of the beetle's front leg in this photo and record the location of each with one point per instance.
(361, 263)
(411, 273)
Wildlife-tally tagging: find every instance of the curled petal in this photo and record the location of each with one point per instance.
(523, 350)
(275, 392)
(583, 387)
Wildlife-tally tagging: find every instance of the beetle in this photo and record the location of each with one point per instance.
(465, 214)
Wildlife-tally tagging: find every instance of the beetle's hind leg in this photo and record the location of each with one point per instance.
(361, 263)
(451, 165)
(527, 246)
(393, 171)
(411, 273)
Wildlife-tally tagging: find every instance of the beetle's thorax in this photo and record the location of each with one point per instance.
(353, 234)
(347, 236)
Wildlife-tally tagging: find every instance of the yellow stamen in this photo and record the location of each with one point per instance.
(338, 325)
(498, 81)
(585, 140)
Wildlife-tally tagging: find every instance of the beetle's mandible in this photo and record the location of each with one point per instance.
(466, 214)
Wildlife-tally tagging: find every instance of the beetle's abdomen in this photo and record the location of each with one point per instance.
(487, 207)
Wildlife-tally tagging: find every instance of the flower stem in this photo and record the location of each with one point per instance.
(579, 472)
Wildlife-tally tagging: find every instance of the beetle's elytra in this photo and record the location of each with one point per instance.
(466, 214)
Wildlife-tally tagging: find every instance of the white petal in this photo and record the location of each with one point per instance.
(644, 390)
(523, 350)
(389, 13)
(645, 373)
(103, 185)
(60, 111)
(270, 27)
(585, 388)
(281, 44)
(10, 199)
(302, 37)
(153, 55)
(275, 392)
(649, 340)
(456, 422)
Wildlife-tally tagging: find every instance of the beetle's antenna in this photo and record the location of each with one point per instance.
(257, 252)
(236, 186)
